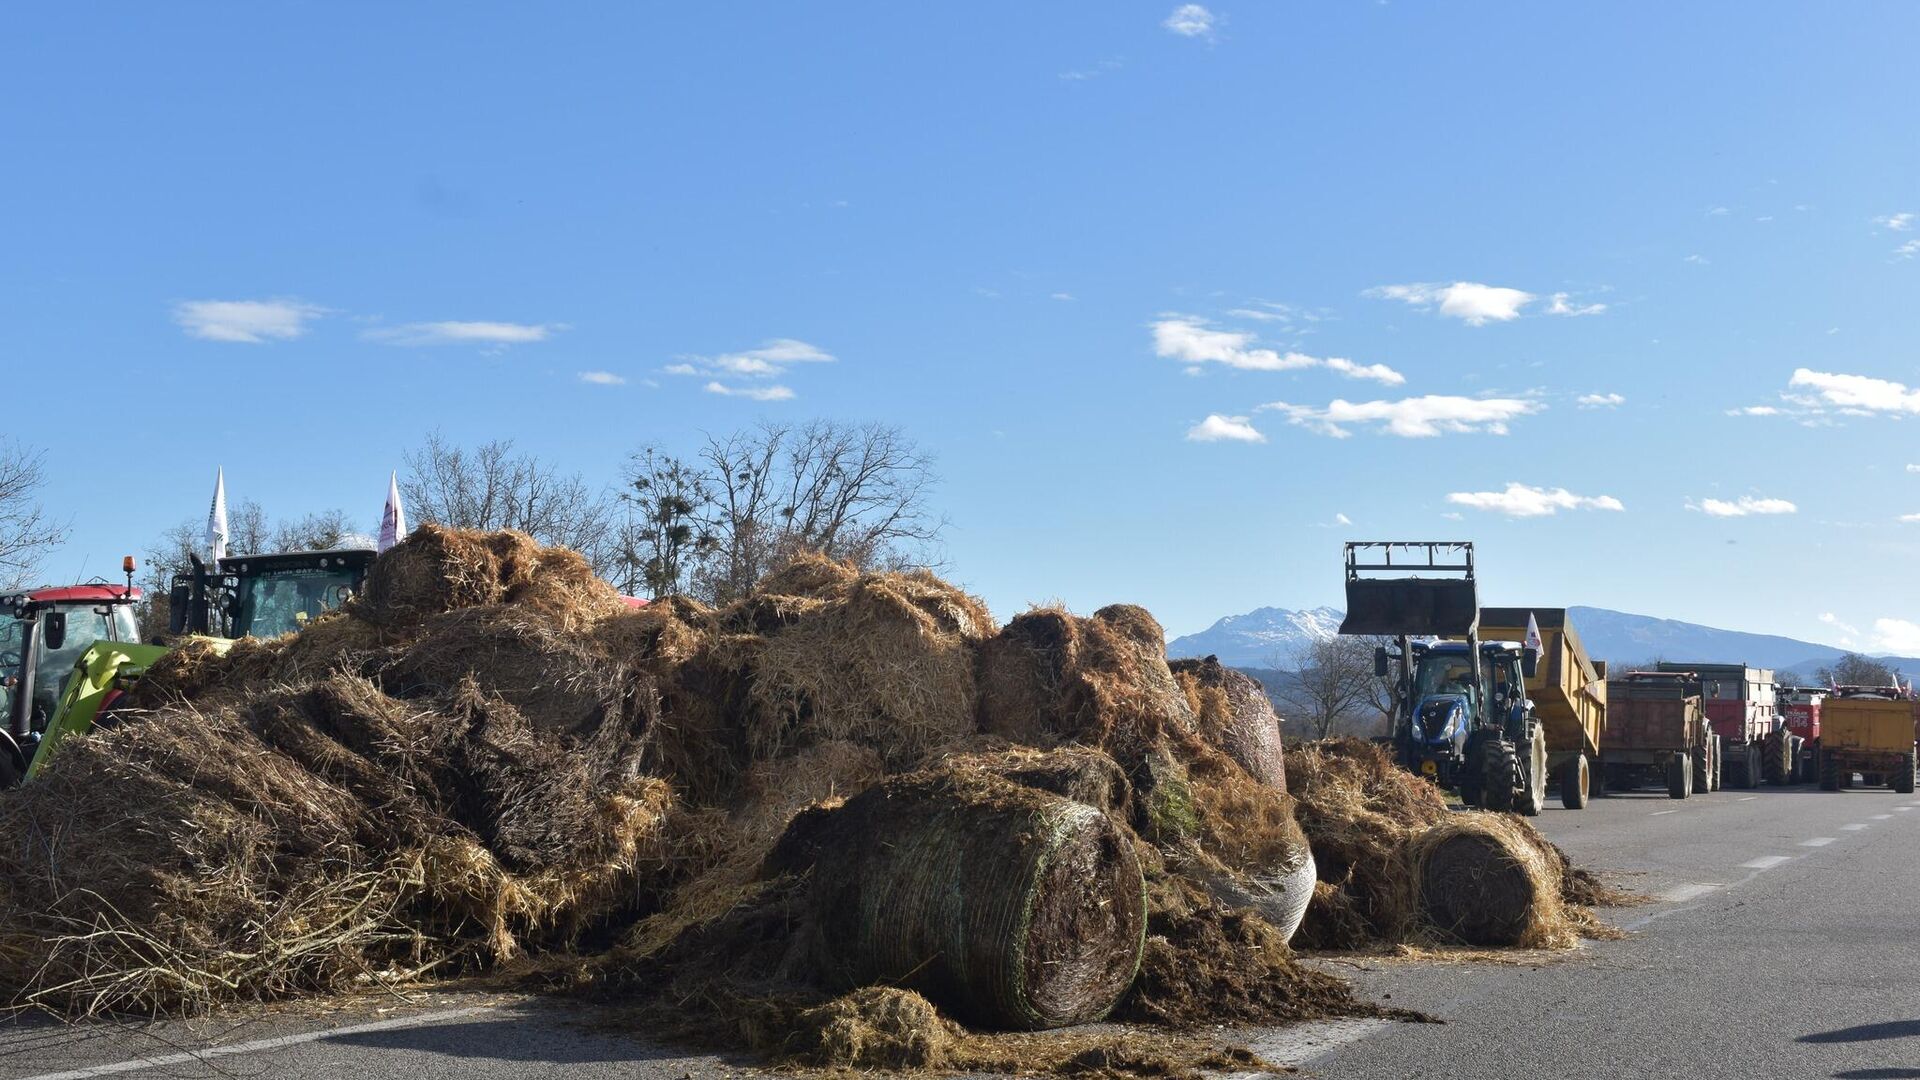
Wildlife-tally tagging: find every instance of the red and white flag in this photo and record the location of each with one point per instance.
(1533, 634)
(393, 520)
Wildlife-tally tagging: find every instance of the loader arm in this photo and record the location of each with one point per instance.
(106, 666)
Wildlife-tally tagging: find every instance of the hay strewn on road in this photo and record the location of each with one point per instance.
(487, 756)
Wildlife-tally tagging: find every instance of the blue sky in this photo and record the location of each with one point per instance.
(1099, 258)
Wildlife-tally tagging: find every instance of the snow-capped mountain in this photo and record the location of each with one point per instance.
(1262, 638)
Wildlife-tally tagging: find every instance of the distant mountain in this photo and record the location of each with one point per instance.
(1264, 635)
(1261, 638)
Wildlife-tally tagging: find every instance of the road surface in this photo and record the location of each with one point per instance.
(1780, 945)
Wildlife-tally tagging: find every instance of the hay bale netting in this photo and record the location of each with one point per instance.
(437, 569)
(1008, 906)
(1491, 880)
(1234, 713)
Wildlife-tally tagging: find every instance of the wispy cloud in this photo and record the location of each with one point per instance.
(1410, 418)
(1755, 410)
(1560, 305)
(1897, 636)
(1744, 506)
(1600, 401)
(1830, 619)
(1190, 341)
(1523, 500)
(1858, 394)
(752, 393)
(251, 322)
(1102, 68)
(1697, 260)
(1907, 250)
(1719, 211)
(1899, 222)
(772, 359)
(1469, 301)
(603, 378)
(453, 332)
(1217, 428)
(1190, 20)
(1061, 296)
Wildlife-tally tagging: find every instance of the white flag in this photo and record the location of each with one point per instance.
(393, 520)
(217, 519)
(1533, 634)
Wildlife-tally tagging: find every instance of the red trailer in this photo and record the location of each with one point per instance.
(1800, 706)
(1741, 706)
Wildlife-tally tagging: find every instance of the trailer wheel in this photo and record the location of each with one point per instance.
(1530, 783)
(1576, 781)
(1796, 747)
(1499, 764)
(1776, 755)
(1679, 775)
(1903, 780)
(1829, 773)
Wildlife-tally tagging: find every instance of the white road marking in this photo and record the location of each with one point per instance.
(1657, 813)
(1746, 798)
(1818, 841)
(1903, 809)
(1882, 817)
(1854, 828)
(256, 1046)
(1303, 1043)
(1766, 862)
(1680, 894)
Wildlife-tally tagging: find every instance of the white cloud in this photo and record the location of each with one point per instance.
(1411, 418)
(679, 369)
(1342, 519)
(1560, 306)
(1897, 636)
(499, 334)
(1190, 20)
(1600, 401)
(1744, 506)
(1719, 211)
(1274, 314)
(1471, 302)
(1061, 296)
(1913, 468)
(602, 378)
(1754, 410)
(1900, 222)
(1190, 341)
(1697, 260)
(1908, 250)
(1522, 500)
(253, 322)
(1830, 619)
(1217, 428)
(1862, 393)
(753, 393)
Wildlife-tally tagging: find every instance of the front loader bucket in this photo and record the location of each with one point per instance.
(1411, 607)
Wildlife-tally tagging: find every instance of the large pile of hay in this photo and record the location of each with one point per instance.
(843, 779)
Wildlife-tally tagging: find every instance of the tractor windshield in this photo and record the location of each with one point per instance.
(271, 604)
(86, 624)
(1440, 674)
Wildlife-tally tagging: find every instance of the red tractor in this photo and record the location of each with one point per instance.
(42, 633)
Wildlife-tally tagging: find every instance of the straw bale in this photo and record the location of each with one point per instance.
(437, 569)
(1233, 713)
(1488, 879)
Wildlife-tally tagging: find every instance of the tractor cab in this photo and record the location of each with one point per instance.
(266, 595)
(43, 633)
(1449, 693)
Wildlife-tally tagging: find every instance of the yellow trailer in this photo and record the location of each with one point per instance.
(1868, 730)
(1568, 689)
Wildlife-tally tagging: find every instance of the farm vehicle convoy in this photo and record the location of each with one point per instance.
(1501, 703)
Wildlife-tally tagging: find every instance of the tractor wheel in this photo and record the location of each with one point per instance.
(1796, 747)
(1703, 766)
(1679, 775)
(1576, 781)
(12, 775)
(1829, 773)
(1717, 779)
(1750, 776)
(1530, 783)
(1903, 780)
(1776, 754)
(1499, 765)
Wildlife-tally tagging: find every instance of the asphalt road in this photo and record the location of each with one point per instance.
(1780, 945)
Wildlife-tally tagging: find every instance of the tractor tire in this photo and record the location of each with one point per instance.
(1703, 766)
(1469, 794)
(1530, 784)
(1717, 778)
(1796, 754)
(1903, 780)
(1750, 776)
(1776, 758)
(1829, 773)
(1679, 775)
(1576, 780)
(12, 772)
(1499, 769)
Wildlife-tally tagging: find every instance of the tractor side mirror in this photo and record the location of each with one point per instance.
(1380, 661)
(54, 630)
(179, 606)
(1529, 663)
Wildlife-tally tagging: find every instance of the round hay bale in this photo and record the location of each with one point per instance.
(436, 569)
(1134, 623)
(1233, 713)
(1484, 881)
(808, 574)
(1008, 906)
(1050, 676)
(533, 663)
(877, 1027)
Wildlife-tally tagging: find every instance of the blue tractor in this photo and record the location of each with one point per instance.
(1461, 715)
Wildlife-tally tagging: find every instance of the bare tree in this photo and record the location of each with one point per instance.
(491, 486)
(320, 531)
(664, 528)
(27, 534)
(1333, 687)
(848, 491)
(1854, 669)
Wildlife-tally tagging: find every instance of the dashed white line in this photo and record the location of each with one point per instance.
(1746, 798)
(1680, 894)
(1296, 1046)
(1766, 862)
(1657, 813)
(169, 1060)
(1818, 841)
(1882, 817)
(1854, 828)
(1903, 809)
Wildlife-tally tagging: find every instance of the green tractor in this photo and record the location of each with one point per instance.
(264, 595)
